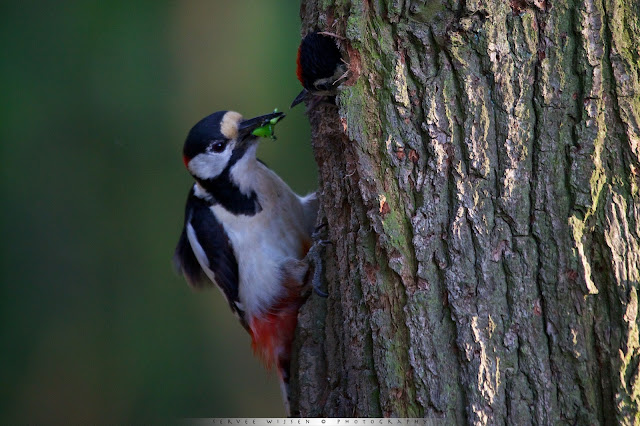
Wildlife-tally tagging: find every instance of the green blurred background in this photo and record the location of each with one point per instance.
(97, 98)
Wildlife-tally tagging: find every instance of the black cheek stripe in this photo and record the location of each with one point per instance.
(226, 193)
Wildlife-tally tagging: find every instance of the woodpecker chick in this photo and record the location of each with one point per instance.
(246, 232)
(319, 66)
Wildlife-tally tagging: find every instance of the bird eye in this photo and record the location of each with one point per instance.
(218, 146)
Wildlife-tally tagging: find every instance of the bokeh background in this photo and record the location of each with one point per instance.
(96, 100)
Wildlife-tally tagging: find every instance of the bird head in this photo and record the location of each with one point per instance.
(221, 139)
(319, 66)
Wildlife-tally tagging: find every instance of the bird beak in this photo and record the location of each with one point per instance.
(301, 97)
(261, 126)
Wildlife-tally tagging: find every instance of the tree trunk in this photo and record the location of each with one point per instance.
(479, 177)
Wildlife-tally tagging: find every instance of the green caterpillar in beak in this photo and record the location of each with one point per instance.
(267, 131)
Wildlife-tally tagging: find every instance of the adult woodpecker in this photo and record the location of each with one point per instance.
(319, 66)
(246, 232)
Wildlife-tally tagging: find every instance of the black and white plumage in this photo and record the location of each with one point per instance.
(204, 235)
(246, 232)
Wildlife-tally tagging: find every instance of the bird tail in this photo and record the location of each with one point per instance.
(284, 376)
(272, 337)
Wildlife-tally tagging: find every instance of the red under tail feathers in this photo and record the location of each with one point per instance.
(272, 334)
(299, 67)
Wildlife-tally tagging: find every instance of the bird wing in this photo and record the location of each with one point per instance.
(204, 254)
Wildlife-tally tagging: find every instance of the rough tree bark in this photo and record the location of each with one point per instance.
(479, 176)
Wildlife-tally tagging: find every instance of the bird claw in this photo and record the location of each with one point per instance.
(315, 235)
(314, 257)
(320, 292)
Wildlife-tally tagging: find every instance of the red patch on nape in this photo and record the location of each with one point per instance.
(299, 67)
(185, 160)
(273, 332)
